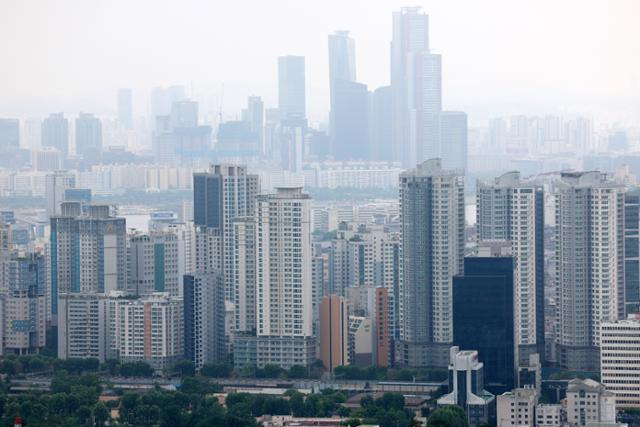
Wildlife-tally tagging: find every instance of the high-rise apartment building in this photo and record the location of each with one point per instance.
(291, 88)
(381, 137)
(244, 274)
(22, 303)
(89, 138)
(334, 332)
(148, 329)
(224, 193)
(55, 133)
(9, 134)
(125, 108)
(620, 360)
(483, 317)
(511, 209)
(56, 184)
(154, 264)
(204, 312)
(88, 253)
(284, 286)
(82, 326)
(255, 117)
(589, 265)
(432, 227)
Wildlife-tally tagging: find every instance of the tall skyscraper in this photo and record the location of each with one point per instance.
(632, 251)
(184, 114)
(291, 88)
(483, 317)
(125, 108)
(224, 193)
(453, 139)
(56, 184)
(163, 98)
(410, 37)
(432, 226)
(334, 332)
(510, 209)
(350, 120)
(589, 265)
(55, 133)
(255, 116)
(89, 138)
(342, 66)
(9, 134)
(284, 287)
(381, 136)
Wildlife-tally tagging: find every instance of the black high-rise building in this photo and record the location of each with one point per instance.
(483, 317)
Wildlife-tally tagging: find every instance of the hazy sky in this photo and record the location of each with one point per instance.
(499, 56)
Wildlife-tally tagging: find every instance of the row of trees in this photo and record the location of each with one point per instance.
(388, 374)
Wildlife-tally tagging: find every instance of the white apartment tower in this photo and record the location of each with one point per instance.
(589, 265)
(432, 227)
(154, 264)
(512, 210)
(620, 360)
(284, 286)
(55, 185)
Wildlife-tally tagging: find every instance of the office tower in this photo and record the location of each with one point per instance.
(291, 145)
(154, 260)
(47, 159)
(5, 239)
(588, 403)
(148, 329)
(291, 88)
(342, 59)
(125, 108)
(381, 136)
(220, 195)
(89, 138)
(416, 88)
(589, 265)
(32, 133)
(237, 139)
(510, 209)
(284, 288)
(82, 195)
(483, 317)
(620, 360)
(82, 326)
(517, 408)
(204, 311)
(22, 302)
(432, 226)
(163, 98)
(498, 136)
(425, 106)
(9, 134)
(466, 387)
(632, 251)
(55, 133)
(350, 120)
(244, 278)
(334, 332)
(56, 184)
(184, 114)
(255, 116)
(88, 252)
(453, 139)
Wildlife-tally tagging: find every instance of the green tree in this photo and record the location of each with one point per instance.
(448, 416)
(100, 414)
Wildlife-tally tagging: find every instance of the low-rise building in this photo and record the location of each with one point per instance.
(517, 408)
(549, 415)
(588, 401)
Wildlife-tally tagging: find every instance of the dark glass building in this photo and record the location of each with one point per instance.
(632, 251)
(483, 317)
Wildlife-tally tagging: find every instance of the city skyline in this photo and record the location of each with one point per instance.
(527, 72)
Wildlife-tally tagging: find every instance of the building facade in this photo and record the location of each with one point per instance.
(432, 227)
(620, 360)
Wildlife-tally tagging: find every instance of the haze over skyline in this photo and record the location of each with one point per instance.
(566, 57)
